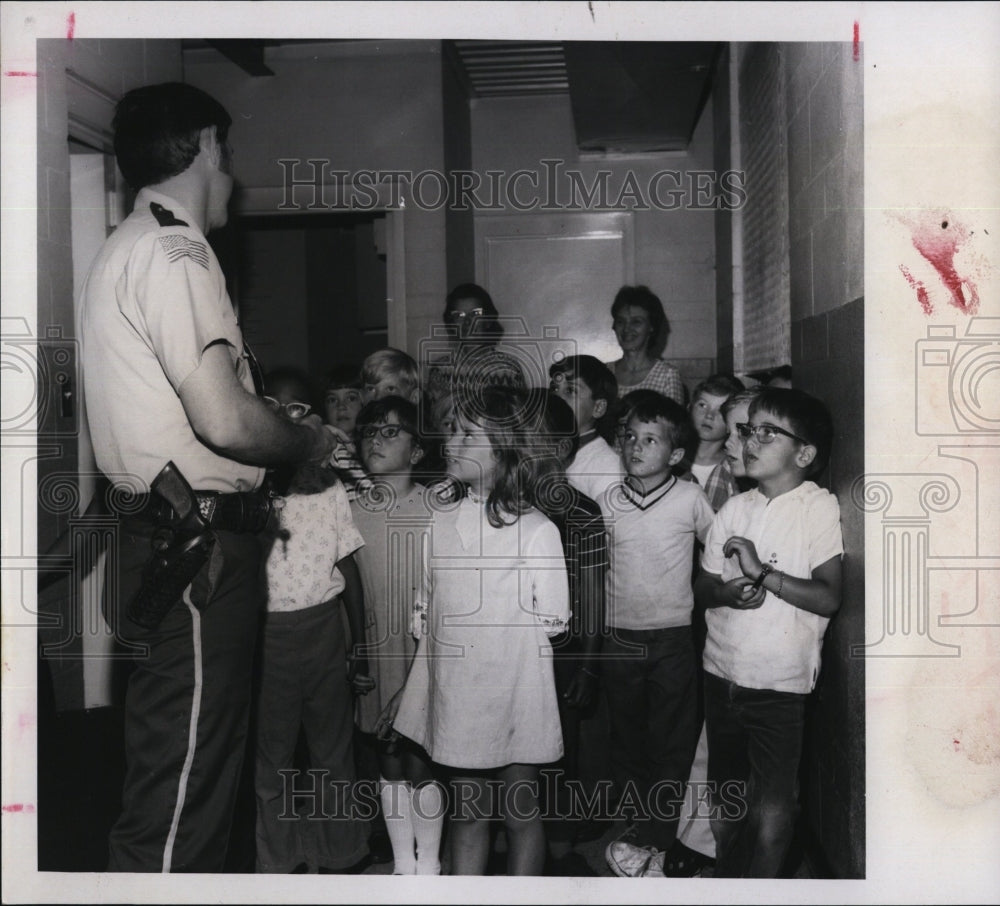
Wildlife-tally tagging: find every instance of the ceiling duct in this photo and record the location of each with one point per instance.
(637, 96)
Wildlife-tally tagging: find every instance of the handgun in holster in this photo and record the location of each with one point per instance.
(181, 545)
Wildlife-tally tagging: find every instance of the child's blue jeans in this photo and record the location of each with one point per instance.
(754, 748)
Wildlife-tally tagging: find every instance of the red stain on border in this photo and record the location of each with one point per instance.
(857, 40)
(938, 236)
(938, 241)
(21, 73)
(17, 808)
(918, 285)
(70, 26)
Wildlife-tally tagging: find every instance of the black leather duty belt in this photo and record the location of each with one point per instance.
(246, 511)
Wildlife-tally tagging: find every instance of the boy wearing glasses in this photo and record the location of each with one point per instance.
(771, 581)
(648, 662)
(306, 675)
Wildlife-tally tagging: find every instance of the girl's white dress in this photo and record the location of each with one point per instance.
(481, 693)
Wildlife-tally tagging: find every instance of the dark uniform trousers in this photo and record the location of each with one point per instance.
(187, 706)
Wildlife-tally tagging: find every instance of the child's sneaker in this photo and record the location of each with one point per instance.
(630, 861)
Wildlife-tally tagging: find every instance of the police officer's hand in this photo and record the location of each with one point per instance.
(324, 440)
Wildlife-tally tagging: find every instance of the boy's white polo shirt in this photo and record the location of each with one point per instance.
(595, 468)
(652, 553)
(777, 646)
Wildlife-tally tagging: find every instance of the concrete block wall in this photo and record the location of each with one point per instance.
(727, 274)
(825, 133)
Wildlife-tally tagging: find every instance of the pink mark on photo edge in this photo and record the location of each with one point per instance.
(857, 40)
(18, 807)
(938, 237)
(70, 26)
(21, 73)
(918, 285)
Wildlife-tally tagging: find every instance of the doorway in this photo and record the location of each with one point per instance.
(312, 289)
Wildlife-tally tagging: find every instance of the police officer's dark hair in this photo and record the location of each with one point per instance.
(157, 130)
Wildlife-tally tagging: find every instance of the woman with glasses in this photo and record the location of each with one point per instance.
(472, 323)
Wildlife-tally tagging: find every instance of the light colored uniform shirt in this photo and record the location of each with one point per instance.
(154, 300)
(777, 645)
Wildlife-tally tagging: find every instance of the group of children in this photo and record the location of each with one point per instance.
(462, 580)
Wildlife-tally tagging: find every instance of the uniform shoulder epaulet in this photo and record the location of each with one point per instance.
(175, 245)
(163, 216)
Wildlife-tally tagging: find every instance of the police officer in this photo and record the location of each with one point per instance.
(168, 379)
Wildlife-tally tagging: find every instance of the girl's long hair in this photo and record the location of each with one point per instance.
(510, 418)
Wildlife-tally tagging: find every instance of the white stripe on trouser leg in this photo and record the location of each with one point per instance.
(168, 850)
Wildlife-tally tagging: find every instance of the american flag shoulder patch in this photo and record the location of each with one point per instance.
(178, 247)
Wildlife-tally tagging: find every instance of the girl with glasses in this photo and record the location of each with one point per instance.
(393, 516)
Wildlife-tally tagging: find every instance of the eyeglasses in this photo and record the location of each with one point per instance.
(386, 432)
(462, 315)
(294, 409)
(765, 434)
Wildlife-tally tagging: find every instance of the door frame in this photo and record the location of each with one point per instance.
(271, 201)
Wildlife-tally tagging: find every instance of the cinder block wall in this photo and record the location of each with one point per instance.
(822, 86)
(825, 131)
